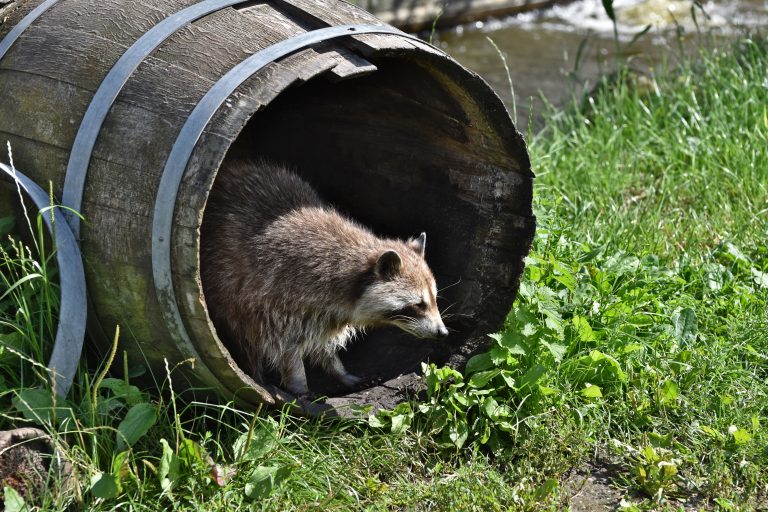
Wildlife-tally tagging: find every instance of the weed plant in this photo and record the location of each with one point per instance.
(638, 338)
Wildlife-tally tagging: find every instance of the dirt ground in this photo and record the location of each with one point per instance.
(591, 488)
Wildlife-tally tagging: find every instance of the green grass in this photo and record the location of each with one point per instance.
(639, 338)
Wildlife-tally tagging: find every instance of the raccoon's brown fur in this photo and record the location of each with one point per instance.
(286, 276)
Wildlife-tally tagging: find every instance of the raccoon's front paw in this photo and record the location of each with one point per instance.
(308, 396)
(373, 382)
(350, 380)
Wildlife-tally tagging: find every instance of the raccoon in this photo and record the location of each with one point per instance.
(287, 277)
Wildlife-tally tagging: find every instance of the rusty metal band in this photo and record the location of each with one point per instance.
(110, 87)
(72, 312)
(188, 138)
(23, 25)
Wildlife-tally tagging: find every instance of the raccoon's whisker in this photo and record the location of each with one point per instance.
(449, 306)
(450, 285)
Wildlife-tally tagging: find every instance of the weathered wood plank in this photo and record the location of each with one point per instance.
(40, 108)
(350, 64)
(120, 22)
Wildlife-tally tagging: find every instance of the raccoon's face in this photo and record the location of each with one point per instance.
(403, 293)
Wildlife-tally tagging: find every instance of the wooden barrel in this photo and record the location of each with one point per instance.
(130, 108)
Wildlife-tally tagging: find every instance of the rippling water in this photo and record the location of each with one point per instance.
(541, 48)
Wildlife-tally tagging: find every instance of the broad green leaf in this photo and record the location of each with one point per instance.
(554, 323)
(649, 453)
(500, 356)
(459, 398)
(478, 363)
(458, 433)
(686, 325)
(761, 278)
(710, 431)
(668, 469)
(592, 391)
(446, 373)
(104, 485)
(564, 275)
(547, 391)
(432, 380)
(489, 406)
(260, 441)
(557, 350)
(493, 409)
(600, 279)
(513, 342)
(191, 454)
(136, 370)
(264, 480)
(596, 355)
(528, 330)
(725, 504)
(136, 423)
(641, 320)
(168, 470)
(632, 347)
(486, 433)
(121, 389)
(660, 441)
(509, 380)
(684, 356)
(120, 467)
(530, 378)
(597, 363)
(534, 273)
(400, 423)
(36, 405)
(583, 329)
(260, 483)
(373, 421)
(481, 379)
(669, 392)
(741, 436)
(403, 408)
(13, 501)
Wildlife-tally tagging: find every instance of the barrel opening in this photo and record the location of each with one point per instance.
(393, 150)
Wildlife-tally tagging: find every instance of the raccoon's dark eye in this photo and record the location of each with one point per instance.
(422, 305)
(411, 311)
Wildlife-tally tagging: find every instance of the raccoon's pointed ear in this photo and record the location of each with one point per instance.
(418, 244)
(388, 265)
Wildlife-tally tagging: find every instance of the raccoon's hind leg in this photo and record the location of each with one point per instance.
(292, 374)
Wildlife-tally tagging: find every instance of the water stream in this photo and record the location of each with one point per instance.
(542, 48)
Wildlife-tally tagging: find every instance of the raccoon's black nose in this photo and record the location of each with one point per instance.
(442, 332)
